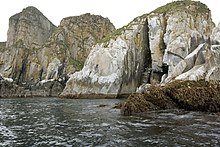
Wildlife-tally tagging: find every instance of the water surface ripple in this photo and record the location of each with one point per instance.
(75, 122)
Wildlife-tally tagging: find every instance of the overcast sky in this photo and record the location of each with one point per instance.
(120, 12)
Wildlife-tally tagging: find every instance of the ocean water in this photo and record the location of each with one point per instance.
(81, 122)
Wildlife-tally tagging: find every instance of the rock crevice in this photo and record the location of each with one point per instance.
(149, 47)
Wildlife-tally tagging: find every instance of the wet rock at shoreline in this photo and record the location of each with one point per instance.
(189, 95)
(9, 89)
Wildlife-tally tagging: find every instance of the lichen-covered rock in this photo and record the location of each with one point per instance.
(82, 32)
(2, 46)
(114, 66)
(28, 30)
(30, 26)
(72, 41)
(37, 50)
(150, 47)
(175, 31)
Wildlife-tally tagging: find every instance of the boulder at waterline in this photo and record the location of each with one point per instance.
(189, 95)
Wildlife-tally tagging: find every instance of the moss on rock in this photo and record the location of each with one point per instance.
(186, 5)
(189, 95)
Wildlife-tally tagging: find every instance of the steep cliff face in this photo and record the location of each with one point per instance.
(71, 43)
(3, 57)
(37, 50)
(28, 30)
(2, 46)
(215, 36)
(29, 26)
(148, 48)
(114, 66)
(205, 62)
(176, 30)
(80, 33)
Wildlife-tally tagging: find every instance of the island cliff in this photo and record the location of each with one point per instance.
(168, 58)
(154, 48)
(39, 56)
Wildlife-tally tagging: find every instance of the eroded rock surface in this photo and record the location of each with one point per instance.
(146, 50)
(29, 26)
(114, 66)
(36, 50)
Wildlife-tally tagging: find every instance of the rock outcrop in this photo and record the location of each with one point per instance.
(189, 95)
(2, 46)
(215, 36)
(37, 51)
(114, 66)
(204, 64)
(10, 89)
(176, 30)
(172, 42)
(149, 47)
(28, 30)
(29, 26)
(71, 43)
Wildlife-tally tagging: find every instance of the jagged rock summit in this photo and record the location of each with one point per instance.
(146, 50)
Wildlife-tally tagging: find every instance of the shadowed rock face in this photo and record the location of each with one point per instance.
(10, 89)
(147, 48)
(215, 36)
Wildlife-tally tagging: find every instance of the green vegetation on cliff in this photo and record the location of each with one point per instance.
(183, 5)
(190, 6)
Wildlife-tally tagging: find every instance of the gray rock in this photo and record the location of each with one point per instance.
(29, 26)
(215, 36)
(155, 42)
(114, 66)
(37, 50)
(208, 70)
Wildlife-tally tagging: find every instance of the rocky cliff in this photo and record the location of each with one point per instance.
(40, 56)
(147, 50)
(113, 66)
(215, 36)
(28, 30)
(30, 27)
(71, 43)
(175, 41)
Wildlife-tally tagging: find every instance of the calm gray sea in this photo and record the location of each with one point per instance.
(80, 122)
